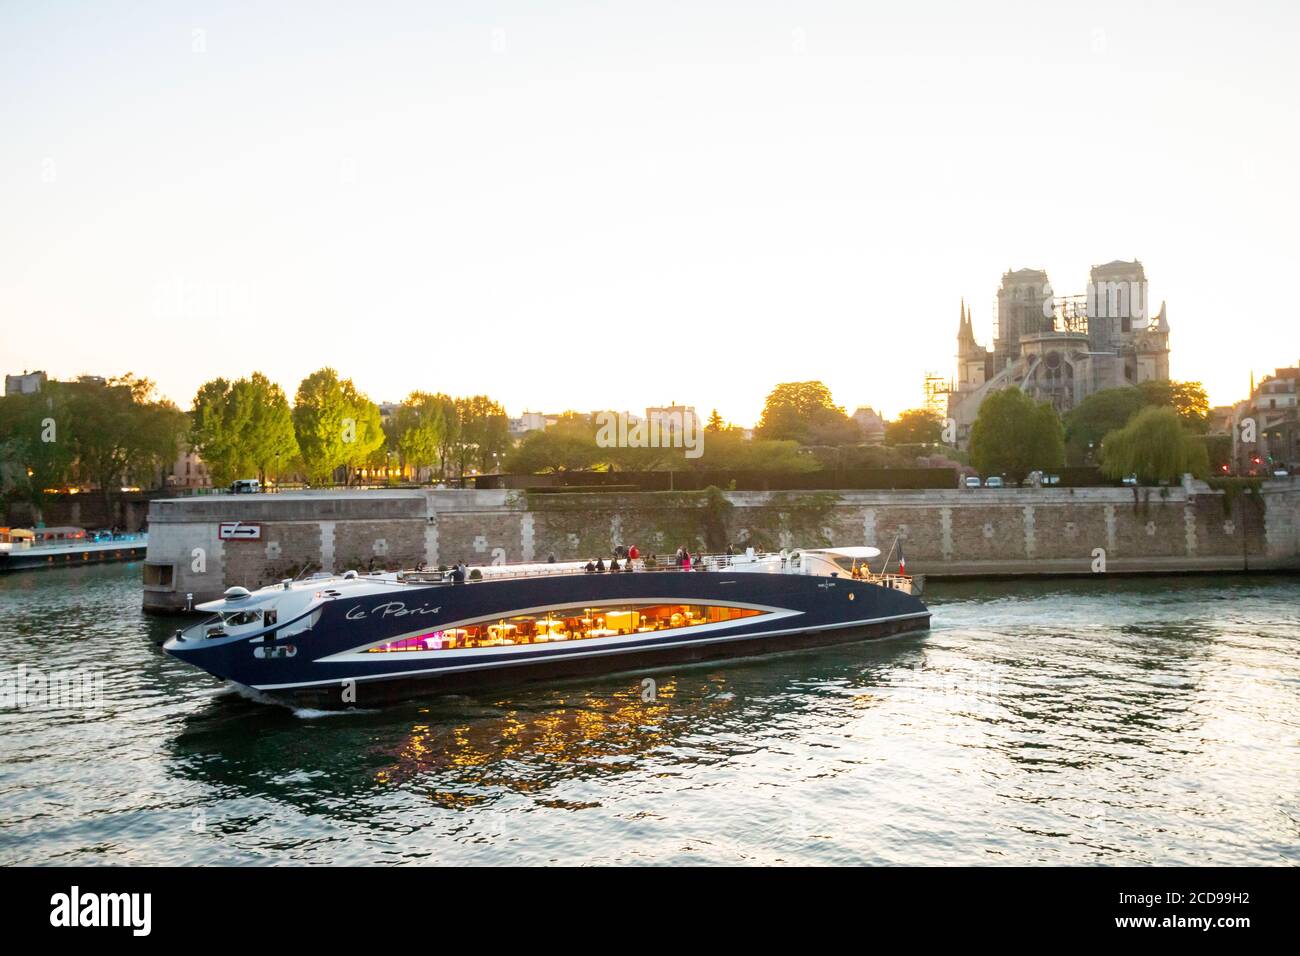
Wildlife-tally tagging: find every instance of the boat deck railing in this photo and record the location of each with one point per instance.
(648, 564)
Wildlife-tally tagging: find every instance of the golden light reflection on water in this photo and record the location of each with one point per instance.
(525, 752)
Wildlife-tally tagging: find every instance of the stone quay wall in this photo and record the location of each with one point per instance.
(959, 532)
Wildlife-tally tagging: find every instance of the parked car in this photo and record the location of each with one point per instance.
(993, 481)
(972, 481)
(1051, 479)
(1281, 473)
(1130, 479)
(245, 486)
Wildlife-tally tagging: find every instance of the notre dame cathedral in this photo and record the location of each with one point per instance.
(1061, 349)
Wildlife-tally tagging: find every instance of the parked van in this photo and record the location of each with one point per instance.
(245, 486)
(972, 481)
(993, 481)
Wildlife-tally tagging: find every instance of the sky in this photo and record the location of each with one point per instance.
(619, 205)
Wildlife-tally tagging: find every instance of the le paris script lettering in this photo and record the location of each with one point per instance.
(390, 609)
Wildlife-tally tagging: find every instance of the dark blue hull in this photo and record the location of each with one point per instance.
(329, 666)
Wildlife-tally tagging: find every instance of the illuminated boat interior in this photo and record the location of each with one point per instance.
(569, 624)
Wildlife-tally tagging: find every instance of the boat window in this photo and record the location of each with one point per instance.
(240, 618)
(569, 624)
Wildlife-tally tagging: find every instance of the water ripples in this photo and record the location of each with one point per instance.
(1097, 721)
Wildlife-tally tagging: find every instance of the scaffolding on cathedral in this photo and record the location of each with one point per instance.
(936, 394)
(1070, 314)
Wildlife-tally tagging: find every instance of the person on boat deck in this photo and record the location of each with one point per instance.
(680, 553)
(686, 560)
(699, 561)
(600, 565)
(627, 565)
(591, 567)
(613, 565)
(457, 574)
(550, 558)
(633, 553)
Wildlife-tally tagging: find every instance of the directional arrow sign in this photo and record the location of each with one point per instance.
(239, 531)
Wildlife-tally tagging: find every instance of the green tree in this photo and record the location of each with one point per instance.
(242, 428)
(335, 425)
(483, 435)
(36, 448)
(449, 440)
(1112, 408)
(215, 434)
(419, 426)
(1014, 435)
(916, 426)
(364, 442)
(729, 451)
(569, 445)
(1097, 416)
(121, 432)
(1157, 445)
(715, 423)
(806, 413)
(1188, 399)
(270, 442)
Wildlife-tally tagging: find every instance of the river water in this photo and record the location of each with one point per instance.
(1113, 721)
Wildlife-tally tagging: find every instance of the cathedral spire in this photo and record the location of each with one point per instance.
(965, 331)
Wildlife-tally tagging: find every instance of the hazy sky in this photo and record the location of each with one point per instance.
(598, 205)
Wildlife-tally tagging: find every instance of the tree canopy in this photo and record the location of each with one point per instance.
(568, 445)
(482, 436)
(1112, 408)
(916, 426)
(805, 412)
(336, 426)
(242, 428)
(1014, 435)
(1097, 416)
(1157, 445)
(36, 450)
(1188, 399)
(121, 432)
(420, 430)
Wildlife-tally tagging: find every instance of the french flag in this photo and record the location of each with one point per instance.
(902, 561)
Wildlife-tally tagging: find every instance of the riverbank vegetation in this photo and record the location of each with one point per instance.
(330, 432)
(98, 433)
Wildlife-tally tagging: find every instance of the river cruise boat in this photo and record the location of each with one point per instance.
(357, 639)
